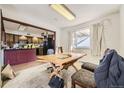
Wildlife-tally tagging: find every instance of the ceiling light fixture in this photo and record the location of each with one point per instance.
(21, 27)
(63, 10)
(23, 37)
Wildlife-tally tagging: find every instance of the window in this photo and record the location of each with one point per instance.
(81, 39)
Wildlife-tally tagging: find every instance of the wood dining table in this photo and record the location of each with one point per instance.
(62, 60)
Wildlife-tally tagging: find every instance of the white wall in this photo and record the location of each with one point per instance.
(122, 30)
(112, 31)
(64, 40)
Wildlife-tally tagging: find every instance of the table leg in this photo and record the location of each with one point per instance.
(74, 67)
(61, 72)
(56, 70)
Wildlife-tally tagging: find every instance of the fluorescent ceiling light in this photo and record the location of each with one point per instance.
(63, 10)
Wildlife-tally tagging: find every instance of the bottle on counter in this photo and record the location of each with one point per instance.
(4, 45)
(16, 45)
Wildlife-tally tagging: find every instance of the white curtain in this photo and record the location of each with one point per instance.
(98, 44)
(70, 41)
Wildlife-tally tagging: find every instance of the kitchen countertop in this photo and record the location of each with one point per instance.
(20, 49)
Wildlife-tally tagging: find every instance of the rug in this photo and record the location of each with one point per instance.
(38, 77)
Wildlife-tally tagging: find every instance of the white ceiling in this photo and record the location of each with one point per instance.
(15, 27)
(11, 27)
(43, 13)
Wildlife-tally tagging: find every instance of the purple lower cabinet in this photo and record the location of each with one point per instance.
(19, 56)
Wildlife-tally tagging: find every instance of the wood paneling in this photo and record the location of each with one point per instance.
(19, 56)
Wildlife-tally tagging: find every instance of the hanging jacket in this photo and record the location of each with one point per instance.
(110, 72)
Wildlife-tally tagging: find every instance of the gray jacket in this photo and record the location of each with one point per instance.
(110, 72)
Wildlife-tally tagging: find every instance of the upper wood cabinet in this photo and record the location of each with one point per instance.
(7, 38)
(40, 40)
(29, 39)
(16, 38)
(10, 39)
